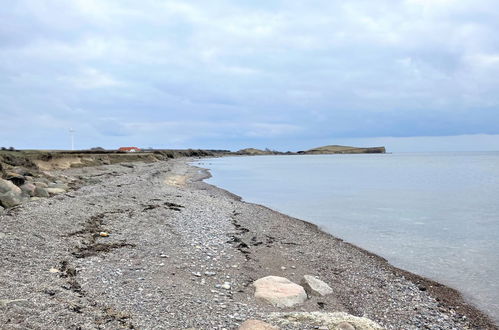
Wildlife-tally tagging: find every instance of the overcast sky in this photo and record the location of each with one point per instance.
(288, 75)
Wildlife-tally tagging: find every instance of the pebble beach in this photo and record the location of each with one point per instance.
(152, 246)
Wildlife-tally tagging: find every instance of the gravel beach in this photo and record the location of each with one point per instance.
(151, 246)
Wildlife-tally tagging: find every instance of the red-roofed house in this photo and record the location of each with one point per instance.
(129, 149)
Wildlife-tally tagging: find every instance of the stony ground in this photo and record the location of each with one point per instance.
(150, 246)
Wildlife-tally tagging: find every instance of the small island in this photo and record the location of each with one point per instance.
(330, 149)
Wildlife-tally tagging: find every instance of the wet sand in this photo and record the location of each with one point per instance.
(172, 242)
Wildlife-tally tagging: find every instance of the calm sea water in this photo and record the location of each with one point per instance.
(434, 214)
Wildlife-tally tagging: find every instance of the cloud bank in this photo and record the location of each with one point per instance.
(229, 74)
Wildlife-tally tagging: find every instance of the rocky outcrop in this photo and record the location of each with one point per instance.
(315, 287)
(331, 321)
(279, 291)
(257, 325)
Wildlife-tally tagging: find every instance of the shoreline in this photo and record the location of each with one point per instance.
(445, 294)
(181, 253)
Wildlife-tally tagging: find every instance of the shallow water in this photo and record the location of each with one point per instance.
(434, 214)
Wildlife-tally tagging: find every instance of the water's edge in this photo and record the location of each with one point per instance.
(442, 292)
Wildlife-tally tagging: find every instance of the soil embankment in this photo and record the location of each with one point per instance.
(149, 245)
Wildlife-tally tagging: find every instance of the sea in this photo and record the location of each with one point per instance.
(433, 214)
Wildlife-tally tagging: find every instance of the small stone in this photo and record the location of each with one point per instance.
(315, 287)
(197, 274)
(226, 286)
(207, 273)
(104, 234)
(55, 191)
(256, 325)
(283, 268)
(54, 270)
(163, 256)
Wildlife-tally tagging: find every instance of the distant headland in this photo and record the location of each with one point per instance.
(330, 149)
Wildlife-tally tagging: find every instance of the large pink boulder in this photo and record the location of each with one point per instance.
(279, 291)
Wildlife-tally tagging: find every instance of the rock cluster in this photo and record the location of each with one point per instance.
(16, 188)
(281, 292)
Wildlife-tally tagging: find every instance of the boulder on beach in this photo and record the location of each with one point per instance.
(41, 192)
(15, 178)
(315, 287)
(6, 186)
(10, 194)
(279, 291)
(336, 321)
(28, 188)
(10, 199)
(257, 325)
(41, 184)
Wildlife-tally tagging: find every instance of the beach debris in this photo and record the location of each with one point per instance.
(315, 287)
(54, 270)
(104, 234)
(256, 325)
(279, 291)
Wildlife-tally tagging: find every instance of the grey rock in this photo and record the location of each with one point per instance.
(28, 188)
(345, 326)
(6, 186)
(41, 192)
(55, 191)
(10, 199)
(337, 320)
(315, 287)
(58, 185)
(40, 184)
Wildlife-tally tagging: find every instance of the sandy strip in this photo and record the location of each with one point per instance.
(183, 254)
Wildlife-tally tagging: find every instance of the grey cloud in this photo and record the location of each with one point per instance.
(275, 70)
